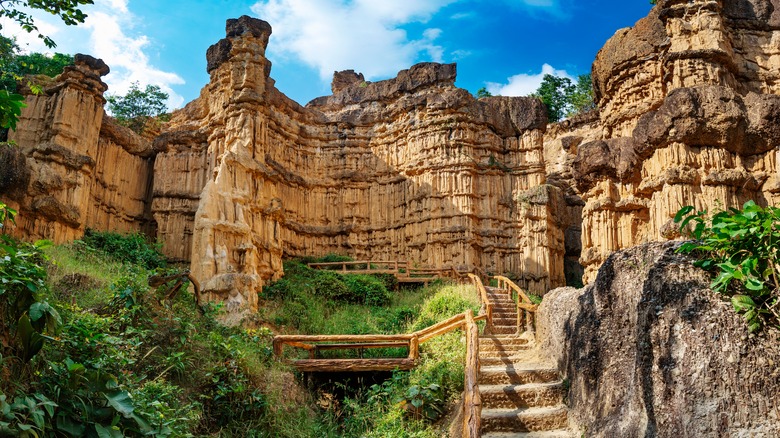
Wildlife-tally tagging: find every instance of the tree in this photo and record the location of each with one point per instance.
(483, 92)
(555, 92)
(67, 10)
(14, 66)
(581, 97)
(137, 107)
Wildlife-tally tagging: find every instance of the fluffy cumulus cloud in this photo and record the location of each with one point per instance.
(525, 83)
(364, 35)
(127, 57)
(109, 34)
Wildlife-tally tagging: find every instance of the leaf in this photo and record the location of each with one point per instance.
(121, 401)
(683, 211)
(417, 402)
(742, 302)
(30, 341)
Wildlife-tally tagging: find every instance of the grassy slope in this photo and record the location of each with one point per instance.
(189, 376)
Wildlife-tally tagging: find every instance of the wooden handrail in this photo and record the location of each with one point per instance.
(487, 305)
(526, 309)
(472, 400)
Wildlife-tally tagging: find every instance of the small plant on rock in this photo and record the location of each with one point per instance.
(743, 247)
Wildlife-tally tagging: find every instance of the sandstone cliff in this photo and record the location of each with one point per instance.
(74, 168)
(689, 112)
(650, 350)
(410, 168)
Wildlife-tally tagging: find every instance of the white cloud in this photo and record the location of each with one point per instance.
(365, 35)
(524, 84)
(127, 59)
(108, 34)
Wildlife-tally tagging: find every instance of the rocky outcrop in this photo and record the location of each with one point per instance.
(688, 102)
(412, 167)
(73, 167)
(650, 350)
(409, 168)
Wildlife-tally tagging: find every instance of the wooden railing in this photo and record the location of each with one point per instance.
(472, 400)
(486, 306)
(526, 309)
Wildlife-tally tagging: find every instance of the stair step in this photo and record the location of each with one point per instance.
(499, 349)
(524, 420)
(522, 396)
(560, 433)
(499, 361)
(504, 329)
(517, 374)
(512, 352)
(504, 320)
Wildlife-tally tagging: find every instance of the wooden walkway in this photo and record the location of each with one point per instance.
(507, 312)
(400, 269)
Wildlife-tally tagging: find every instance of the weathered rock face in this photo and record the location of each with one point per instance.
(75, 168)
(689, 101)
(409, 168)
(650, 350)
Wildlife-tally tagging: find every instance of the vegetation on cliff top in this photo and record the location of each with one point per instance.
(742, 247)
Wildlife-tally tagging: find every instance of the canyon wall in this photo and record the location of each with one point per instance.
(410, 168)
(689, 102)
(74, 168)
(650, 350)
(413, 168)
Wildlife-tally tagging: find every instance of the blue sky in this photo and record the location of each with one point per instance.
(504, 45)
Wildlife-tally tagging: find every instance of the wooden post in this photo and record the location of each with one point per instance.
(472, 401)
(278, 346)
(414, 348)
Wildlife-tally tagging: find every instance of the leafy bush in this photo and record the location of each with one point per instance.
(742, 246)
(332, 286)
(138, 107)
(129, 248)
(367, 289)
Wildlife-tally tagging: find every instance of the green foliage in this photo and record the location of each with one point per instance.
(367, 289)
(741, 246)
(128, 248)
(18, 11)
(25, 416)
(563, 98)
(554, 92)
(11, 105)
(24, 316)
(483, 92)
(136, 108)
(581, 98)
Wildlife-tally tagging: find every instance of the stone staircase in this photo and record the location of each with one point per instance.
(520, 398)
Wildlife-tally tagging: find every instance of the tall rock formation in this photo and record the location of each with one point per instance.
(410, 168)
(690, 115)
(74, 167)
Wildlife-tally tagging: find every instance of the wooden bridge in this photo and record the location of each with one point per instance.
(400, 269)
(503, 322)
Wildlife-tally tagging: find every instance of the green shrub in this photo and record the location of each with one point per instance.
(129, 248)
(367, 289)
(389, 280)
(741, 246)
(332, 286)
